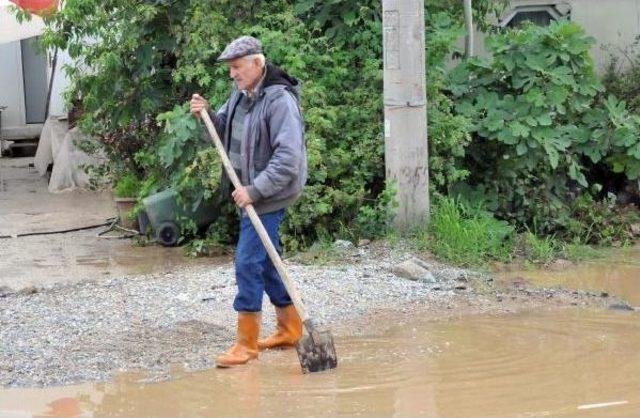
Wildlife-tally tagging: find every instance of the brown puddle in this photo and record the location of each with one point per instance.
(573, 362)
(563, 363)
(618, 274)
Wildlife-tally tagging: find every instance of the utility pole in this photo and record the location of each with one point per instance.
(405, 109)
(468, 23)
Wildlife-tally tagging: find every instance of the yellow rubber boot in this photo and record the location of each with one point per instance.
(246, 346)
(288, 330)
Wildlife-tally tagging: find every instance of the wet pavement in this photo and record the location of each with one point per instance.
(44, 260)
(69, 258)
(27, 206)
(567, 363)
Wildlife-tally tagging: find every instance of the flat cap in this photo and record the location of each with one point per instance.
(243, 46)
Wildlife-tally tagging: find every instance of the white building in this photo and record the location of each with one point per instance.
(26, 76)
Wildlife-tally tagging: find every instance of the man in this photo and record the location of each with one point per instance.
(262, 130)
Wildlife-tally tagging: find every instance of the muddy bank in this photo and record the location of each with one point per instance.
(617, 274)
(88, 331)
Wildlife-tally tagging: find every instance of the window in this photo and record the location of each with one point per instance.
(541, 15)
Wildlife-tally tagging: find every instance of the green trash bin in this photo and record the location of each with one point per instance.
(161, 212)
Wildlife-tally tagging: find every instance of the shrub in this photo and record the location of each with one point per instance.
(600, 222)
(580, 252)
(540, 124)
(622, 78)
(148, 57)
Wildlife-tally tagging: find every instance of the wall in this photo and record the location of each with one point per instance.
(614, 23)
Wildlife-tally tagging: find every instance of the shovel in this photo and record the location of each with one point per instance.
(316, 350)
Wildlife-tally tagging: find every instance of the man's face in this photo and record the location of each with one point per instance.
(246, 73)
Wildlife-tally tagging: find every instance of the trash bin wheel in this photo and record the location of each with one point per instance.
(168, 234)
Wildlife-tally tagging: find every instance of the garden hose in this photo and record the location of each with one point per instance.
(109, 222)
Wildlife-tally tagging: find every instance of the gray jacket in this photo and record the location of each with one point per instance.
(273, 150)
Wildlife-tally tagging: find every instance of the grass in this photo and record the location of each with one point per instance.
(581, 252)
(466, 236)
(540, 250)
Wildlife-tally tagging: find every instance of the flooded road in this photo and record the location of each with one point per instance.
(573, 362)
(565, 363)
(617, 274)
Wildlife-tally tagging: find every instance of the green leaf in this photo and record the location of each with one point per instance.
(576, 174)
(552, 154)
(535, 97)
(505, 136)
(518, 129)
(536, 62)
(557, 95)
(563, 76)
(494, 121)
(521, 149)
(303, 6)
(545, 119)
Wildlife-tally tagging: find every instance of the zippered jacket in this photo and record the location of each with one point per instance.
(273, 151)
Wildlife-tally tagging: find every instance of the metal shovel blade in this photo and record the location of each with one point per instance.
(317, 352)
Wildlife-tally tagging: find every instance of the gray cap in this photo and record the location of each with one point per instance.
(243, 46)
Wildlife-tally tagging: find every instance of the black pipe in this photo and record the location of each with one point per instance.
(28, 234)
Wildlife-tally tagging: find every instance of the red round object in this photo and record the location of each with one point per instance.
(38, 7)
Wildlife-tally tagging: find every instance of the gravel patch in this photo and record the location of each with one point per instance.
(89, 331)
(70, 333)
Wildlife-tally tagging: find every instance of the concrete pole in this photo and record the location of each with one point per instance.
(405, 109)
(468, 22)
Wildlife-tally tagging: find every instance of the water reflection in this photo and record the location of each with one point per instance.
(63, 408)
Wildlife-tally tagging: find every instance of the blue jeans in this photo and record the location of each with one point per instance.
(255, 273)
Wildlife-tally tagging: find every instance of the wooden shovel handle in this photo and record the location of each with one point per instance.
(255, 220)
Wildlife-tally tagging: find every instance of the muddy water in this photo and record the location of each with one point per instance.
(617, 274)
(568, 363)
(49, 259)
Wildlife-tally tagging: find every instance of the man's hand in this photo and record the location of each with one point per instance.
(241, 197)
(198, 103)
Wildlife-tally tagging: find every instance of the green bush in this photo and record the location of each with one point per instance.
(448, 132)
(580, 252)
(520, 133)
(127, 186)
(540, 125)
(600, 222)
